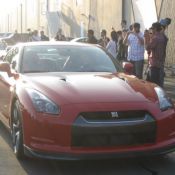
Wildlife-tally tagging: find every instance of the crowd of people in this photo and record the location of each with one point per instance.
(34, 36)
(130, 45)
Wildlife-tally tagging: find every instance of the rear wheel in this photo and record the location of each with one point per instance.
(17, 131)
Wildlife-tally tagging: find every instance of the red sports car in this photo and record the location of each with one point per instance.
(74, 101)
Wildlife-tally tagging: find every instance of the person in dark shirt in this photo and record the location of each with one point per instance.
(124, 24)
(43, 36)
(157, 49)
(91, 37)
(103, 41)
(59, 36)
(164, 24)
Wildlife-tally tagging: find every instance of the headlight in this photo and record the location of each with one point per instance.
(164, 101)
(42, 103)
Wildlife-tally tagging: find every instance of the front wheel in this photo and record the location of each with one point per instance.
(17, 131)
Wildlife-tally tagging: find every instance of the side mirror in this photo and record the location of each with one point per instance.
(5, 67)
(128, 67)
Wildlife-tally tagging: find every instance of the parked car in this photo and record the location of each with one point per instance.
(81, 39)
(4, 35)
(74, 101)
(15, 38)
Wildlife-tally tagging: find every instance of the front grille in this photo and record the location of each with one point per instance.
(121, 115)
(102, 130)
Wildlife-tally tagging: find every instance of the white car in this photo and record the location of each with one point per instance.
(80, 39)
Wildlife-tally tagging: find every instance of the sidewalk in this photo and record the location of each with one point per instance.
(169, 85)
(169, 82)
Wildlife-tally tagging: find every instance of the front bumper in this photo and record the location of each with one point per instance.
(51, 137)
(68, 156)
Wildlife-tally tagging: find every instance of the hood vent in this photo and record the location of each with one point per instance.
(63, 79)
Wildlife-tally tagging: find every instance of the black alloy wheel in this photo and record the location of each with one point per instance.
(17, 131)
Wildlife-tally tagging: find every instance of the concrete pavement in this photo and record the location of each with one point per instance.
(169, 85)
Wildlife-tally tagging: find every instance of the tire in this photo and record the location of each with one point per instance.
(17, 131)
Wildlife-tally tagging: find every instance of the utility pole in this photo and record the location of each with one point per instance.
(47, 6)
(8, 22)
(21, 16)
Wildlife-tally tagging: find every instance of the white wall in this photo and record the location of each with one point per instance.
(145, 12)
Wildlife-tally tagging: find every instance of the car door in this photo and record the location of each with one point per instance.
(6, 86)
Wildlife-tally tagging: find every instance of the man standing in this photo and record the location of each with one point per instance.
(124, 24)
(35, 36)
(43, 36)
(164, 23)
(103, 41)
(91, 37)
(59, 36)
(135, 41)
(157, 49)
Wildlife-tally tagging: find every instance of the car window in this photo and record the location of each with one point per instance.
(67, 59)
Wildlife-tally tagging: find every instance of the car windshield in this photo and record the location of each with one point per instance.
(57, 58)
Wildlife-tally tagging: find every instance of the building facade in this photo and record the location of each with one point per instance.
(165, 8)
(75, 17)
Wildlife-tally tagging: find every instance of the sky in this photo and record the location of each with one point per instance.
(6, 8)
(142, 15)
(7, 5)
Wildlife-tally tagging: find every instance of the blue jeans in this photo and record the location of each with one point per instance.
(138, 68)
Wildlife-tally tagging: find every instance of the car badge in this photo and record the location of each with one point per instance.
(114, 114)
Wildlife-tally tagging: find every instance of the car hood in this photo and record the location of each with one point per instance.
(92, 87)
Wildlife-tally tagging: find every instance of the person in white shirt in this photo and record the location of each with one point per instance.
(135, 41)
(112, 44)
(35, 36)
